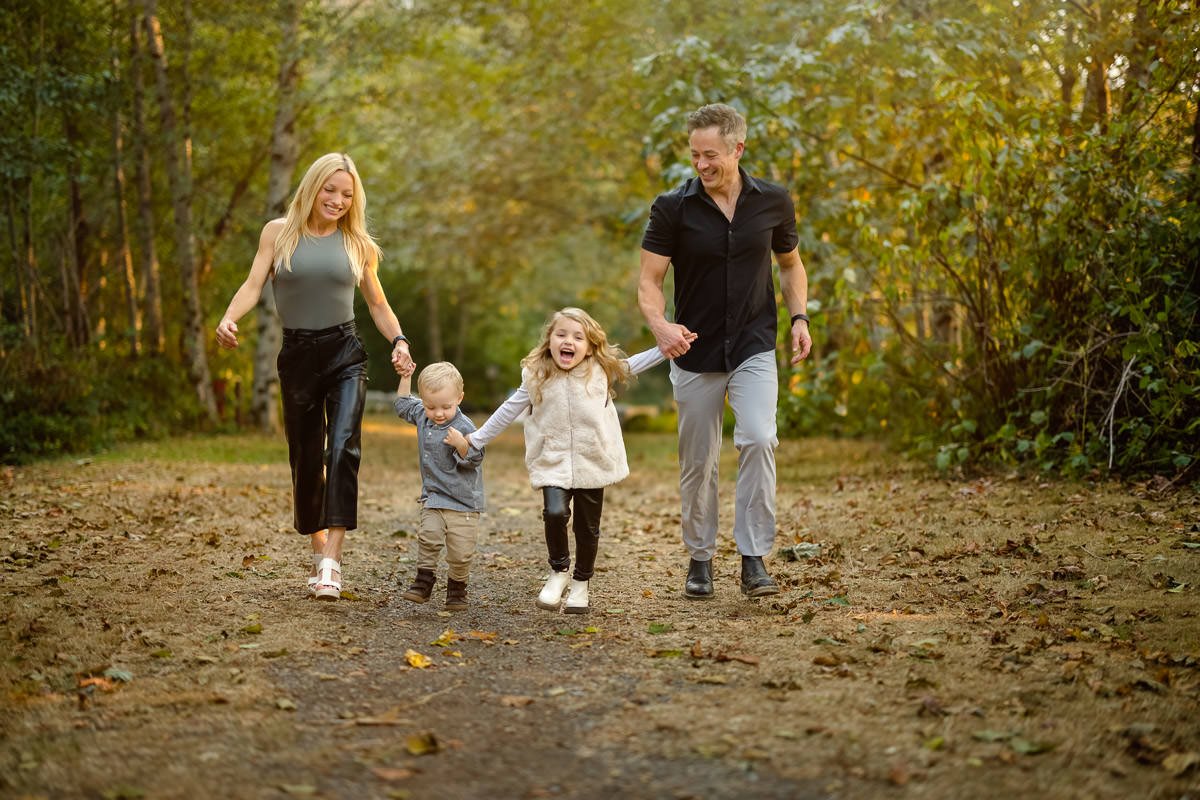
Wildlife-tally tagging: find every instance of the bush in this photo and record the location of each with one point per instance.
(63, 403)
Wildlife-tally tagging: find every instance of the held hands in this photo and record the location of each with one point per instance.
(674, 339)
(455, 438)
(227, 334)
(402, 360)
(801, 341)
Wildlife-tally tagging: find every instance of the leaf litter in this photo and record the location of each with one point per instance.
(1011, 637)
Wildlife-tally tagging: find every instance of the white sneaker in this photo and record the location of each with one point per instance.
(577, 598)
(552, 593)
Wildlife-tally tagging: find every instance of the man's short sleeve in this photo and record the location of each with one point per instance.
(784, 239)
(660, 230)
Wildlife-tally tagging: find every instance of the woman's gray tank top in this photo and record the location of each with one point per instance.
(318, 292)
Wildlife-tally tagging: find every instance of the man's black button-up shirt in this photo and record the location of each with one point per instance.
(724, 289)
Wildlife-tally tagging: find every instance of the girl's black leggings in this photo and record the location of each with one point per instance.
(323, 381)
(556, 512)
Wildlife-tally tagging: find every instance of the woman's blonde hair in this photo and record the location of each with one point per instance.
(606, 356)
(360, 245)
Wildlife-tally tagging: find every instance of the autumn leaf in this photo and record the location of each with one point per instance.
(392, 773)
(1028, 747)
(422, 744)
(417, 660)
(515, 700)
(485, 636)
(445, 639)
(665, 653)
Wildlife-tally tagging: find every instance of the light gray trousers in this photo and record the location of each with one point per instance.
(753, 390)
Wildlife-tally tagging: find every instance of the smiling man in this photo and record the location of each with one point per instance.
(719, 230)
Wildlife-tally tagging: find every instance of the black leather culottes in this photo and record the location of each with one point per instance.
(323, 382)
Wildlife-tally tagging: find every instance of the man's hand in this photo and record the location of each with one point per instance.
(673, 339)
(801, 341)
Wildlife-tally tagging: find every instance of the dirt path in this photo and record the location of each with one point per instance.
(996, 638)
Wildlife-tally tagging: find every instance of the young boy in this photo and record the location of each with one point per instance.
(451, 481)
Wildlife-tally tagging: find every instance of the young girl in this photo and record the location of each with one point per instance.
(573, 444)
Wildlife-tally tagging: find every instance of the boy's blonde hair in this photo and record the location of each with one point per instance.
(606, 356)
(437, 375)
(360, 245)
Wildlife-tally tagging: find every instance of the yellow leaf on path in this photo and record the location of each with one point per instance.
(486, 636)
(515, 700)
(445, 639)
(417, 660)
(421, 744)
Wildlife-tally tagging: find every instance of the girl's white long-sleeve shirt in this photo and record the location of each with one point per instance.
(573, 435)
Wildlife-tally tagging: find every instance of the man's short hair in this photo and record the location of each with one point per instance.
(439, 374)
(727, 120)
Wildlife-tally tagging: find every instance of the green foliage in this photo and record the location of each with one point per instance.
(1002, 267)
(66, 404)
(989, 261)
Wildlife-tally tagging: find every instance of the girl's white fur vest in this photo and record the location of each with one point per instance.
(573, 435)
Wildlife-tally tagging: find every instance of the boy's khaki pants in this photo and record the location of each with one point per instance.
(456, 531)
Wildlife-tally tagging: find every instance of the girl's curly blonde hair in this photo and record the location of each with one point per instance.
(604, 355)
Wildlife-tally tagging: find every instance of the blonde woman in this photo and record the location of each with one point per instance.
(315, 256)
(573, 444)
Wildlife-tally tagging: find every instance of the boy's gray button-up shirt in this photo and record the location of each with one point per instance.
(448, 480)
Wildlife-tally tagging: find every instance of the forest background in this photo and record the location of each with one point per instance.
(998, 202)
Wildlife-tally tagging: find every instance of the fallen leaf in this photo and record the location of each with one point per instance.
(1028, 747)
(392, 773)
(486, 636)
(417, 660)
(1179, 763)
(715, 679)
(445, 639)
(422, 744)
(284, 704)
(664, 653)
(751, 660)
(515, 700)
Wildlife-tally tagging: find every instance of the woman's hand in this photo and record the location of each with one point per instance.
(227, 334)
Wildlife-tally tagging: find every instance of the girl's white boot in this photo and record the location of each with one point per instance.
(577, 598)
(552, 593)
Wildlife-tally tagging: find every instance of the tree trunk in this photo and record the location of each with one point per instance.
(433, 324)
(264, 394)
(155, 336)
(180, 181)
(1097, 100)
(124, 257)
(75, 310)
(30, 265)
(1195, 193)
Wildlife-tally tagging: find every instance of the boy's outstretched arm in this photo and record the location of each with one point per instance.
(405, 387)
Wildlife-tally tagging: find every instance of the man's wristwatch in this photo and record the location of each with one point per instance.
(799, 316)
(398, 340)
